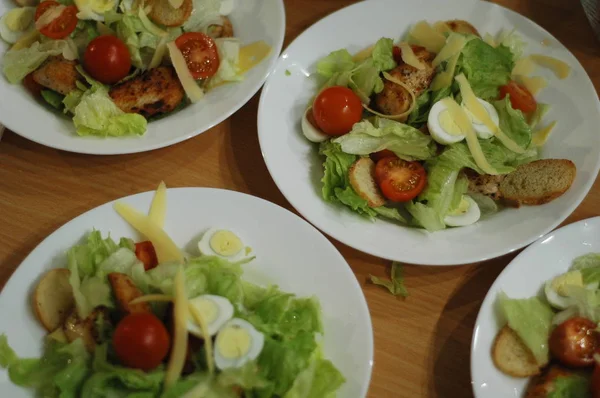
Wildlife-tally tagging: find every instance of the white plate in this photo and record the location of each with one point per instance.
(253, 20)
(523, 278)
(300, 260)
(296, 167)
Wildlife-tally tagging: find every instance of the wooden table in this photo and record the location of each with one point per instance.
(422, 344)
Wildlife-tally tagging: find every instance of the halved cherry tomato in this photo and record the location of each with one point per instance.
(397, 53)
(107, 59)
(520, 97)
(141, 341)
(596, 382)
(574, 342)
(386, 153)
(336, 109)
(200, 53)
(32, 86)
(399, 180)
(145, 252)
(63, 25)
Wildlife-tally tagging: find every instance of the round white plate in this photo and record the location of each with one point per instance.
(523, 278)
(253, 20)
(296, 166)
(301, 261)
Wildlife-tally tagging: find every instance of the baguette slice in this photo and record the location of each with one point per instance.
(163, 13)
(511, 356)
(538, 182)
(53, 298)
(362, 179)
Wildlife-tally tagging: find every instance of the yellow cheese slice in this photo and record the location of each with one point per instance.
(180, 334)
(163, 298)
(409, 57)
(442, 27)
(464, 123)
(159, 53)
(253, 54)
(207, 339)
(475, 107)
(166, 249)
(541, 136)
(26, 40)
(191, 88)
(424, 35)
(445, 78)
(489, 39)
(534, 84)
(454, 45)
(523, 67)
(363, 54)
(158, 207)
(104, 30)
(561, 69)
(50, 15)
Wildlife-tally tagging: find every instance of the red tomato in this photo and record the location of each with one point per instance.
(107, 59)
(63, 25)
(32, 86)
(574, 342)
(596, 382)
(336, 109)
(141, 341)
(520, 97)
(145, 252)
(397, 53)
(399, 180)
(386, 153)
(200, 53)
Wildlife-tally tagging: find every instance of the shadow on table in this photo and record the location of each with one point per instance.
(450, 351)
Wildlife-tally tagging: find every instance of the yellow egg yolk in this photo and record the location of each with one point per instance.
(448, 124)
(463, 207)
(233, 342)
(208, 309)
(19, 19)
(572, 278)
(226, 243)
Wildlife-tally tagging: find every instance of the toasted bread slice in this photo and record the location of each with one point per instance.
(362, 179)
(125, 291)
(511, 356)
(464, 27)
(538, 182)
(53, 298)
(163, 13)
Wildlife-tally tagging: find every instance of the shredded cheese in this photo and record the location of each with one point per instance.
(478, 110)
(363, 54)
(159, 53)
(534, 84)
(442, 27)
(193, 91)
(50, 15)
(409, 57)
(541, 136)
(26, 40)
(166, 249)
(561, 69)
(445, 78)
(464, 123)
(424, 35)
(180, 338)
(163, 298)
(197, 316)
(454, 45)
(523, 67)
(253, 54)
(401, 116)
(158, 207)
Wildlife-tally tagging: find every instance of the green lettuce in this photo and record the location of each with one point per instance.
(319, 379)
(425, 216)
(19, 63)
(590, 260)
(53, 98)
(337, 62)
(573, 386)
(396, 284)
(229, 56)
(405, 141)
(538, 114)
(531, 319)
(424, 103)
(390, 213)
(513, 41)
(206, 13)
(382, 55)
(513, 123)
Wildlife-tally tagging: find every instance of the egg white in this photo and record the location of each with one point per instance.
(257, 342)
(224, 313)
(311, 132)
(471, 216)
(205, 249)
(437, 131)
(11, 36)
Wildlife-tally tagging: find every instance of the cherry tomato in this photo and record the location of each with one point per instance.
(107, 59)
(399, 180)
(596, 382)
(574, 342)
(63, 25)
(386, 153)
(336, 109)
(200, 53)
(32, 86)
(520, 97)
(141, 341)
(145, 252)
(397, 53)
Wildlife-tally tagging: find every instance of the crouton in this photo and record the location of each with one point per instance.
(512, 356)
(362, 180)
(53, 298)
(125, 291)
(163, 13)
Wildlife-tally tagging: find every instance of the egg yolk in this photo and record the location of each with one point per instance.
(208, 310)
(448, 124)
(233, 342)
(19, 19)
(463, 207)
(226, 243)
(573, 278)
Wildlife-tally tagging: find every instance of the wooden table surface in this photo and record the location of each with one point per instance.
(422, 344)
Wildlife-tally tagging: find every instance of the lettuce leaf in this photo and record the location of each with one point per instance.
(573, 386)
(513, 41)
(204, 14)
(53, 98)
(487, 205)
(382, 54)
(590, 260)
(19, 63)
(336, 62)
(538, 114)
(319, 379)
(425, 216)
(513, 123)
(229, 56)
(391, 213)
(396, 284)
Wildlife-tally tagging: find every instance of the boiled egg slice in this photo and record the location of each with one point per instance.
(442, 127)
(237, 343)
(225, 244)
(467, 213)
(556, 289)
(215, 311)
(481, 129)
(227, 6)
(16, 23)
(310, 130)
(94, 9)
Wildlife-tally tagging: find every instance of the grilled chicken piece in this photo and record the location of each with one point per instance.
(125, 291)
(464, 27)
(57, 74)
(394, 99)
(485, 184)
(85, 329)
(223, 30)
(155, 91)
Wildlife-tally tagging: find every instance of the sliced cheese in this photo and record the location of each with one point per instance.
(534, 84)
(159, 53)
(104, 30)
(445, 78)
(561, 69)
(454, 45)
(50, 15)
(479, 112)
(207, 339)
(489, 39)
(462, 120)
(401, 116)
(166, 249)
(363, 54)
(193, 91)
(442, 27)
(523, 67)
(163, 298)
(155, 30)
(253, 54)
(541, 136)
(180, 333)
(409, 57)
(26, 40)
(176, 3)
(158, 207)
(424, 35)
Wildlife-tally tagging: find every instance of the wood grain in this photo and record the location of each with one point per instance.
(422, 343)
